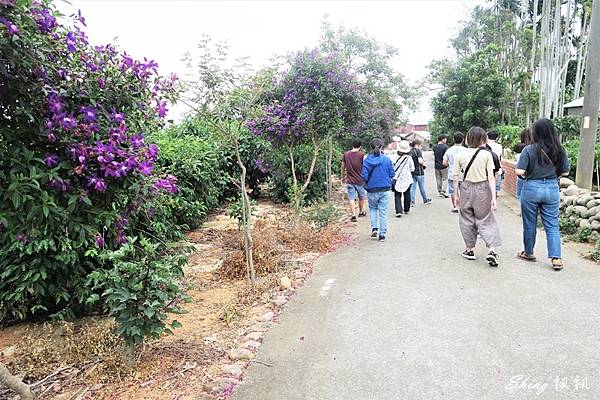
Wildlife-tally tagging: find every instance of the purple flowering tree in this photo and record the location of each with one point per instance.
(76, 172)
(313, 101)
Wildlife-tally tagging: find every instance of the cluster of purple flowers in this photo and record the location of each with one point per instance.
(44, 19)
(312, 95)
(11, 28)
(263, 166)
(95, 145)
(169, 184)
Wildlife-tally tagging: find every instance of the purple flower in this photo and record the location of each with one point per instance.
(100, 241)
(121, 238)
(61, 185)
(92, 67)
(89, 114)
(54, 103)
(44, 19)
(97, 183)
(11, 28)
(100, 185)
(51, 137)
(101, 83)
(40, 73)
(161, 108)
(121, 223)
(117, 117)
(167, 184)
(71, 42)
(80, 18)
(152, 151)
(137, 140)
(51, 160)
(262, 166)
(21, 238)
(7, 3)
(146, 168)
(68, 122)
(150, 212)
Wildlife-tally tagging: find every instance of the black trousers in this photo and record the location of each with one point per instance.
(402, 200)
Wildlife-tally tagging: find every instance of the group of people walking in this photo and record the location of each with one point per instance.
(471, 176)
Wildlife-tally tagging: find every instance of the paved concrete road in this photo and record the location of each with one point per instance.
(411, 319)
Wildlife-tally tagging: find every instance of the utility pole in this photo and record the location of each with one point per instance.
(591, 104)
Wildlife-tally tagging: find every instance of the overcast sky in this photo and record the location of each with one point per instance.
(165, 30)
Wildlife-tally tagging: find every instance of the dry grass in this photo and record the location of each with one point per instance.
(268, 253)
(89, 348)
(302, 237)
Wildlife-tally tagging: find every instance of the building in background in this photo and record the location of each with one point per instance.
(574, 108)
(409, 132)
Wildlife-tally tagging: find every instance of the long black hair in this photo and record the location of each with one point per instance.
(546, 141)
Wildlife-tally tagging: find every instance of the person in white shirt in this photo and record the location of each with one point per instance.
(403, 179)
(496, 148)
(448, 161)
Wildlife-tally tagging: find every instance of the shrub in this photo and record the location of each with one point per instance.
(199, 167)
(235, 210)
(139, 289)
(323, 214)
(509, 135)
(281, 175)
(76, 170)
(566, 226)
(252, 148)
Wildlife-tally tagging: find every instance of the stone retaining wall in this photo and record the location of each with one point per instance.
(580, 206)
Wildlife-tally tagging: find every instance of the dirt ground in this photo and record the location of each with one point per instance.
(189, 363)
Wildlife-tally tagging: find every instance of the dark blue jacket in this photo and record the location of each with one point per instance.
(377, 172)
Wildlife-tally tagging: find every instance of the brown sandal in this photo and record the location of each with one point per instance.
(557, 264)
(526, 256)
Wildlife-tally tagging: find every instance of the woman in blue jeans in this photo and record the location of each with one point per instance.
(541, 164)
(377, 172)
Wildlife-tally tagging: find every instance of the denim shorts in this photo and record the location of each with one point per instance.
(451, 189)
(354, 189)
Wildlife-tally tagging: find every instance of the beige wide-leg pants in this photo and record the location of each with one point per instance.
(476, 215)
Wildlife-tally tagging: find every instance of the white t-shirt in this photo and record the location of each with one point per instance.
(497, 148)
(450, 156)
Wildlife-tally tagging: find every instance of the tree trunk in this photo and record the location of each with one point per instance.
(329, 164)
(543, 62)
(581, 57)
(246, 219)
(296, 195)
(11, 382)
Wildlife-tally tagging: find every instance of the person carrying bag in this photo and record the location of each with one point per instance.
(403, 179)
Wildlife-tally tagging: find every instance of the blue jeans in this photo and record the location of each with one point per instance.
(499, 182)
(378, 210)
(418, 180)
(520, 183)
(541, 195)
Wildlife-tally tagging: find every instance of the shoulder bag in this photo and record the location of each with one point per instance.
(470, 163)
